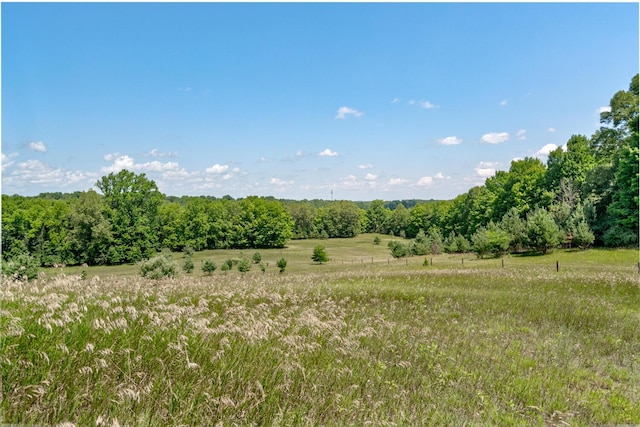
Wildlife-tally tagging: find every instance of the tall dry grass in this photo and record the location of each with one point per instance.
(372, 346)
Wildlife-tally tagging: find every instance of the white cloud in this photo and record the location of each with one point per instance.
(439, 175)
(127, 162)
(521, 135)
(6, 160)
(449, 140)
(605, 109)
(38, 146)
(552, 130)
(495, 137)
(157, 153)
(395, 100)
(427, 105)
(504, 102)
(299, 153)
(278, 181)
(371, 177)
(344, 111)
(327, 153)
(217, 169)
(36, 172)
(425, 180)
(367, 166)
(546, 149)
(411, 101)
(398, 181)
(486, 169)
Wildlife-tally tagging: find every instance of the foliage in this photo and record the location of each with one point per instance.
(256, 258)
(543, 233)
(490, 239)
(244, 265)
(319, 254)
(282, 264)
(158, 267)
(131, 206)
(209, 266)
(398, 249)
(23, 266)
(377, 240)
(188, 265)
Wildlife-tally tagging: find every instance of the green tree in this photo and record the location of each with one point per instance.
(159, 267)
(282, 264)
(516, 227)
(543, 233)
(256, 258)
(377, 217)
(131, 206)
(490, 239)
(319, 254)
(188, 265)
(625, 204)
(89, 233)
(244, 265)
(209, 266)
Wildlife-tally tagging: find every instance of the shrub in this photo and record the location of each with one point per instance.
(542, 231)
(256, 258)
(263, 267)
(158, 267)
(319, 254)
(225, 267)
(282, 264)
(490, 240)
(188, 250)
(398, 250)
(209, 266)
(377, 240)
(23, 265)
(188, 265)
(244, 265)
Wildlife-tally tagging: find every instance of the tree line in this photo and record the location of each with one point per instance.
(588, 191)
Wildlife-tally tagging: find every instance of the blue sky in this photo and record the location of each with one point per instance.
(295, 100)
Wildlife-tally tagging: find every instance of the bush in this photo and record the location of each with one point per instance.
(188, 250)
(209, 266)
(542, 231)
(244, 265)
(377, 240)
(188, 265)
(319, 254)
(158, 267)
(398, 250)
(263, 267)
(282, 264)
(491, 239)
(23, 265)
(225, 267)
(256, 258)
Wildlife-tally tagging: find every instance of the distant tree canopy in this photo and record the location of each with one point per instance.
(589, 190)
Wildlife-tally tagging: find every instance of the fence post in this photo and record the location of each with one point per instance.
(503, 263)
(557, 266)
(462, 261)
(432, 261)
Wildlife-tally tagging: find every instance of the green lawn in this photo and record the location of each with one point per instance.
(349, 342)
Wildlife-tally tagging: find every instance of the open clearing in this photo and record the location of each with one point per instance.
(363, 339)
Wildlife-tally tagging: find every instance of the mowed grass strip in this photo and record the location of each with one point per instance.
(381, 345)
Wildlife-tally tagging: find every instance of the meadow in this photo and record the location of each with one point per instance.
(361, 340)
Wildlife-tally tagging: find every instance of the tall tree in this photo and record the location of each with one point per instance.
(131, 205)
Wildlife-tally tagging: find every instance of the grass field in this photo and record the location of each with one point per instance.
(356, 341)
